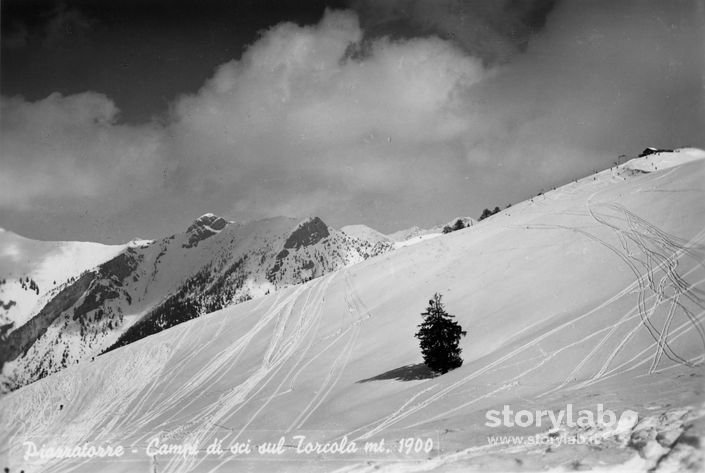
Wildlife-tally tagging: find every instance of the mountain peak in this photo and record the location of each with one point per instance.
(210, 220)
(363, 232)
(308, 232)
(204, 227)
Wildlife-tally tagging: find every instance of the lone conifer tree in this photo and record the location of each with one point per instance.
(439, 336)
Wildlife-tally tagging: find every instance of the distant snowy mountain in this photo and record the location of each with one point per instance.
(65, 302)
(33, 272)
(415, 234)
(364, 232)
(589, 296)
(136, 290)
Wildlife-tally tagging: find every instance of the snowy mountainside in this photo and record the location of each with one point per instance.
(407, 236)
(416, 234)
(588, 294)
(664, 159)
(365, 233)
(155, 285)
(32, 272)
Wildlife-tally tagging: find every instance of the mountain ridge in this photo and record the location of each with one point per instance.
(153, 285)
(587, 295)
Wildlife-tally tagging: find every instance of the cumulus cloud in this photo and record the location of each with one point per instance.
(300, 124)
(299, 105)
(325, 120)
(62, 149)
(593, 86)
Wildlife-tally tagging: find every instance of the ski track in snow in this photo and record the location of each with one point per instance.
(645, 237)
(336, 370)
(293, 330)
(645, 280)
(282, 349)
(163, 412)
(291, 321)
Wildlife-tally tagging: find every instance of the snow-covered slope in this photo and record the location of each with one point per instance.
(653, 161)
(151, 286)
(589, 294)
(413, 235)
(364, 232)
(32, 272)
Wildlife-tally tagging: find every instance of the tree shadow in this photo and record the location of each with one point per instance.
(405, 373)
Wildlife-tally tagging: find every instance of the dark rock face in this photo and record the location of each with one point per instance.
(274, 270)
(96, 287)
(203, 293)
(120, 267)
(21, 339)
(308, 233)
(204, 227)
(213, 221)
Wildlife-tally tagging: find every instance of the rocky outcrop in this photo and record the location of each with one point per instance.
(204, 227)
(309, 232)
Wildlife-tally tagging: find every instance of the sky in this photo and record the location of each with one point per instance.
(129, 119)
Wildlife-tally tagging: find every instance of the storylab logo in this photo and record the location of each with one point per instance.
(570, 417)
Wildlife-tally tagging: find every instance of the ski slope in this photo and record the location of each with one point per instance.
(591, 293)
